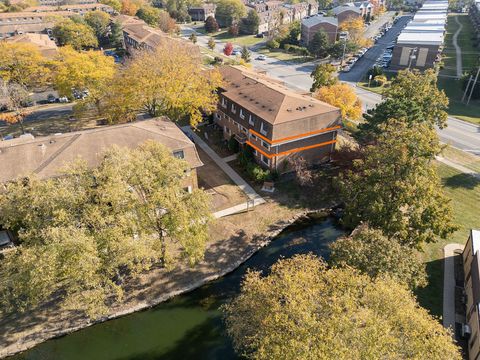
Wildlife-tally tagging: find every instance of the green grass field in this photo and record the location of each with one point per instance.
(279, 54)
(453, 89)
(464, 190)
(241, 40)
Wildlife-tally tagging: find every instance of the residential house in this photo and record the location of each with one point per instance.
(346, 12)
(301, 10)
(471, 267)
(202, 12)
(313, 24)
(47, 47)
(366, 8)
(45, 157)
(79, 9)
(276, 122)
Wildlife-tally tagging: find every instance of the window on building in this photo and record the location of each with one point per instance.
(253, 136)
(255, 152)
(265, 145)
(251, 120)
(234, 109)
(179, 154)
(265, 160)
(263, 129)
(224, 102)
(242, 115)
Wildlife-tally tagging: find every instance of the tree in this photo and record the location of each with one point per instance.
(166, 23)
(323, 75)
(233, 29)
(303, 310)
(295, 30)
(303, 176)
(23, 64)
(356, 31)
(14, 98)
(211, 25)
(130, 7)
(211, 44)
(99, 21)
(395, 187)
(229, 11)
(228, 49)
(380, 80)
(168, 81)
(342, 96)
(412, 96)
(245, 54)
(149, 14)
(324, 4)
(249, 24)
(129, 213)
(89, 70)
(116, 35)
(319, 44)
(79, 36)
(372, 253)
(193, 37)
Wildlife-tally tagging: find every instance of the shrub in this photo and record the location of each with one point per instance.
(273, 44)
(256, 173)
(233, 144)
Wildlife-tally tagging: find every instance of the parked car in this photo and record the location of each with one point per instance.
(51, 98)
(260, 35)
(63, 99)
(261, 57)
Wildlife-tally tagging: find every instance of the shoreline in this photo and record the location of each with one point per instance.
(279, 226)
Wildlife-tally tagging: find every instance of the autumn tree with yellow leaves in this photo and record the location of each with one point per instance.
(169, 81)
(342, 96)
(355, 27)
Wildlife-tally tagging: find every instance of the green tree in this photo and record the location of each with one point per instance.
(245, 54)
(13, 98)
(211, 44)
(229, 11)
(323, 75)
(149, 14)
(116, 35)
(318, 46)
(79, 36)
(412, 96)
(99, 21)
(211, 25)
(115, 4)
(129, 213)
(249, 24)
(193, 37)
(372, 253)
(303, 310)
(295, 30)
(324, 4)
(395, 187)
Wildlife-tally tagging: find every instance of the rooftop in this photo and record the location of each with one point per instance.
(269, 99)
(339, 9)
(46, 156)
(318, 19)
(47, 47)
(421, 38)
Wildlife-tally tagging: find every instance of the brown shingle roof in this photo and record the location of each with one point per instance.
(46, 156)
(47, 47)
(267, 98)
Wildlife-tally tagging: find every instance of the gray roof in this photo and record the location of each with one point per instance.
(315, 20)
(339, 9)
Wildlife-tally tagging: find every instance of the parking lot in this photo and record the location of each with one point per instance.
(369, 58)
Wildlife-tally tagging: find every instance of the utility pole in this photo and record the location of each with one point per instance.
(344, 48)
(473, 86)
(467, 87)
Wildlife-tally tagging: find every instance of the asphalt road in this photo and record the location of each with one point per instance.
(367, 61)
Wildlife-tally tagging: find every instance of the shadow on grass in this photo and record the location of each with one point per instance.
(465, 181)
(431, 296)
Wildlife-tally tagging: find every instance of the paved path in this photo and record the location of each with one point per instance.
(449, 285)
(458, 50)
(459, 167)
(230, 158)
(232, 174)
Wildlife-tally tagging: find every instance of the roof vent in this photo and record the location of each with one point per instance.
(289, 110)
(263, 106)
(311, 105)
(270, 109)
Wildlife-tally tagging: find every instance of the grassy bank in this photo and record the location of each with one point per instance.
(464, 190)
(453, 89)
(282, 55)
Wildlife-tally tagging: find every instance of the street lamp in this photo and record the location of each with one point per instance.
(344, 36)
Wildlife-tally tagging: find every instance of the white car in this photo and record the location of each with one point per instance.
(261, 57)
(346, 68)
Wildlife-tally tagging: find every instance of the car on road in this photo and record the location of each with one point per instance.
(63, 99)
(261, 57)
(236, 52)
(51, 98)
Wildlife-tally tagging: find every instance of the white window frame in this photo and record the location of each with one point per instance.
(242, 115)
(265, 145)
(224, 102)
(262, 130)
(251, 120)
(263, 157)
(255, 152)
(234, 109)
(253, 136)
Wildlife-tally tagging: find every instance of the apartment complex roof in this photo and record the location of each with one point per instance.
(73, 7)
(47, 47)
(421, 38)
(339, 9)
(269, 99)
(46, 156)
(319, 19)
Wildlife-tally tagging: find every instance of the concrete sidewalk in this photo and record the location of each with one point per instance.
(458, 167)
(449, 285)
(238, 208)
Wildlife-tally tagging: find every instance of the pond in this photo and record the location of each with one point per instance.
(188, 326)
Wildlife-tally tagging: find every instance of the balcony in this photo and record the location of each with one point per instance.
(241, 138)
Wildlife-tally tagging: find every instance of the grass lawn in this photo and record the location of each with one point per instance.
(462, 157)
(464, 190)
(279, 54)
(241, 40)
(372, 88)
(453, 89)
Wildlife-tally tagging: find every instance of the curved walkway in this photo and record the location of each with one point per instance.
(458, 49)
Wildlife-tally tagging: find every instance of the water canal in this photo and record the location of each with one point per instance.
(188, 326)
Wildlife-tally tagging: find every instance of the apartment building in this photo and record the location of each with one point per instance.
(47, 46)
(202, 12)
(274, 121)
(313, 24)
(471, 266)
